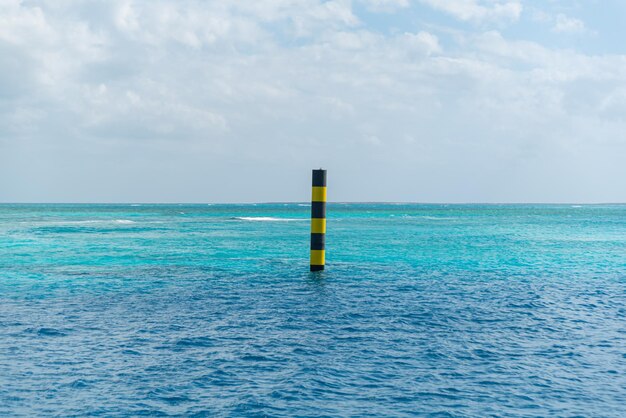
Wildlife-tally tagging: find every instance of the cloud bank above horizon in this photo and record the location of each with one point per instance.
(213, 101)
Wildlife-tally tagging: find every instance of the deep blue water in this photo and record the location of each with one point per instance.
(459, 310)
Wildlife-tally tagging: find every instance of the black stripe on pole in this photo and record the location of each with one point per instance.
(318, 209)
(318, 241)
(319, 178)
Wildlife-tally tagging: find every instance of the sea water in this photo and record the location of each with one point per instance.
(210, 310)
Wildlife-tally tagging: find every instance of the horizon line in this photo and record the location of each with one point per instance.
(308, 202)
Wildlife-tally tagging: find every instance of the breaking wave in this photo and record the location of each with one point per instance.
(265, 219)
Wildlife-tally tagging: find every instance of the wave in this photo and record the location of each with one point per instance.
(86, 222)
(430, 218)
(100, 221)
(265, 219)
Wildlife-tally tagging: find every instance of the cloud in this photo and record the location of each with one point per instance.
(564, 24)
(479, 10)
(423, 41)
(132, 94)
(387, 6)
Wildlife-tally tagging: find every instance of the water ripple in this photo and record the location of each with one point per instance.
(493, 312)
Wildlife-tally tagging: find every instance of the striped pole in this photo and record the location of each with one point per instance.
(318, 220)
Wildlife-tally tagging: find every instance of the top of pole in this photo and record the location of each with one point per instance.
(319, 178)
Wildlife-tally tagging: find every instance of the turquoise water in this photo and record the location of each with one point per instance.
(209, 310)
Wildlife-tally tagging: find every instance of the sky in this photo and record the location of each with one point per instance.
(236, 101)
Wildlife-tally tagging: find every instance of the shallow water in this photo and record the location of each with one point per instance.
(449, 310)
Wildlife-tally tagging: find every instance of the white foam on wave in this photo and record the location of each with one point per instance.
(430, 218)
(101, 221)
(265, 219)
(304, 204)
(91, 221)
(86, 222)
(577, 206)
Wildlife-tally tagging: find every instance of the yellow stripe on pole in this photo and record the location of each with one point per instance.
(318, 225)
(318, 257)
(319, 194)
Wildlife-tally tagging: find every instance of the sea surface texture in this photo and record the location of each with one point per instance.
(210, 310)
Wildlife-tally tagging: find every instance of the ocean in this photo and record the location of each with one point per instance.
(210, 310)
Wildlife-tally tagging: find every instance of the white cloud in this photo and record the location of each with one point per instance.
(277, 85)
(386, 5)
(479, 10)
(23, 26)
(568, 24)
(422, 41)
